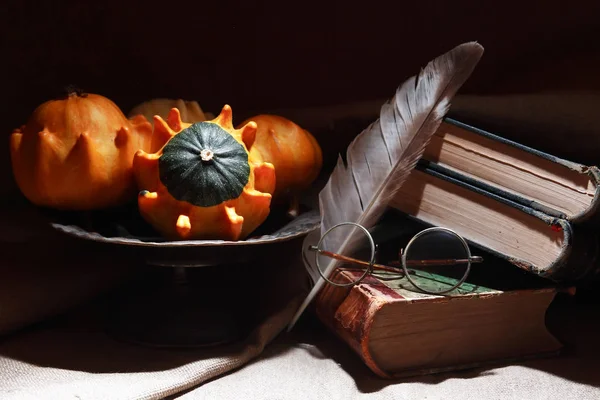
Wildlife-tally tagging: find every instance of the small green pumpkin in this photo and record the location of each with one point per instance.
(204, 165)
(203, 183)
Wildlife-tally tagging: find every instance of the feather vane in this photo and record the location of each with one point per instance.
(381, 157)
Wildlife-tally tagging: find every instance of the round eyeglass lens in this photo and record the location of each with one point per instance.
(345, 254)
(437, 260)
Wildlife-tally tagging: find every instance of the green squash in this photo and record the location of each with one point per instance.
(204, 165)
(202, 182)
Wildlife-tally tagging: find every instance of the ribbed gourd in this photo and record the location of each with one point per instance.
(293, 151)
(76, 153)
(201, 182)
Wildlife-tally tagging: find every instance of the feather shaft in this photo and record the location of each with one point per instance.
(381, 157)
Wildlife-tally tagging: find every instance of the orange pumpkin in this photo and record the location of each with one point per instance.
(203, 183)
(76, 153)
(293, 151)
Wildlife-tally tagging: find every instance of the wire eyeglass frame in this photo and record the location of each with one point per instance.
(403, 269)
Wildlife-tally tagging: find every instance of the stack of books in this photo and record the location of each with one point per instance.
(532, 216)
(531, 208)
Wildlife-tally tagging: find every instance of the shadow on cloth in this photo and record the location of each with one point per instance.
(79, 340)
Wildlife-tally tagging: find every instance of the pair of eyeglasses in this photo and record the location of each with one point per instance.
(436, 260)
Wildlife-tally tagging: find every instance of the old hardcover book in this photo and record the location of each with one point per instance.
(541, 244)
(398, 332)
(543, 182)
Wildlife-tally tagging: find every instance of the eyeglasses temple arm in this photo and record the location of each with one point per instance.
(340, 257)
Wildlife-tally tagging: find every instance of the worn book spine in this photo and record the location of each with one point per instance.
(588, 217)
(350, 312)
(579, 258)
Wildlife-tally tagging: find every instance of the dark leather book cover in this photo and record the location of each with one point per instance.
(588, 216)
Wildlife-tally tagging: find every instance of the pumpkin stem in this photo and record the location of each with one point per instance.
(72, 90)
(206, 155)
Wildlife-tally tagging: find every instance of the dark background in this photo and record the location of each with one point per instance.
(272, 54)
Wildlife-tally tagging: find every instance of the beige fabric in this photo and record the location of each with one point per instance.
(72, 357)
(296, 371)
(73, 362)
(312, 364)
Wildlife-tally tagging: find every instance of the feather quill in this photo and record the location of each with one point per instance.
(380, 158)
